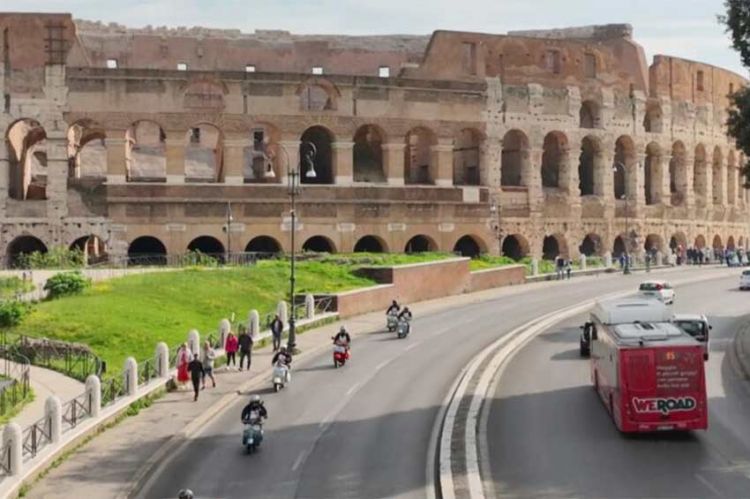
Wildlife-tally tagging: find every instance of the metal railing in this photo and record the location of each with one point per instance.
(112, 389)
(16, 385)
(75, 361)
(147, 371)
(74, 410)
(35, 437)
(5, 459)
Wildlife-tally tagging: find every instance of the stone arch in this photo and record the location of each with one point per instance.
(717, 243)
(317, 94)
(652, 120)
(653, 242)
(619, 247)
(263, 244)
(204, 153)
(420, 244)
(730, 243)
(370, 244)
(590, 167)
(700, 241)
(23, 245)
(624, 162)
(418, 156)
(589, 115)
(264, 161)
(87, 149)
(469, 246)
(319, 244)
(146, 152)
(678, 174)
(322, 150)
(208, 245)
(554, 159)
(717, 179)
(367, 154)
(678, 241)
(92, 247)
(731, 173)
(652, 174)
(147, 250)
(741, 242)
(466, 157)
(515, 246)
(700, 175)
(553, 246)
(27, 160)
(591, 245)
(515, 157)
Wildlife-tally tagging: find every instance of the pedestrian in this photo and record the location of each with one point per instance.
(276, 328)
(207, 359)
(559, 266)
(568, 268)
(231, 347)
(183, 359)
(196, 373)
(246, 348)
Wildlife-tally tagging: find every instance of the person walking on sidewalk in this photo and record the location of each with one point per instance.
(568, 268)
(246, 348)
(231, 347)
(183, 359)
(196, 373)
(207, 359)
(276, 328)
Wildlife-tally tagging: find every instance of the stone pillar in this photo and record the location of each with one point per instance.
(130, 374)
(489, 162)
(57, 174)
(288, 152)
(343, 162)
(13, 440)
(4, 177)
(664, 180)
(531, 177)
(234, 160)
(568, 182)
(731, 181)
(535, 267)
(53, 414)
(224, 327)
(689, 185)
(94, 392)
(608, 259)
(309, 306)
(281, 311)
(393, 163)
(175, 153)
(253, 323)
(637, 181)
(441, 162)
(117, 167)
(194, 341)
(720, 189)
(583, 261)
(162, 359)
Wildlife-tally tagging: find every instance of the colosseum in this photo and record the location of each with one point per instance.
(133, 142)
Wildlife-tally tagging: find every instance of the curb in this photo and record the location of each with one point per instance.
(739, 355)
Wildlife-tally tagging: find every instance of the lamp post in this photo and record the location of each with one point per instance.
(228, 230)
(495, 216)
(626, 266)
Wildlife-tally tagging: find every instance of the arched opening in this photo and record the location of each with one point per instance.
(467, 246)
(322, 139)
(591, 245)
(24, 245)
(700, 175)
(622, 169)
(146, 152)
(466, 157)
(368, 155)
(717, 183)
(420, 244)
(618, 248)
(653, 243)
(262, 161)
(515, 247)
(208, 245)
(717, 244)
(203, 154)
(551, 248)
(87, 150)
(418, 156)
(652, 121)
(147, 250)
(92, 247)
(589, 114)
(700, 241)
(678, 174)
(652, 174)
(731, 182)
(514, 157)
(678, 242)
(27, 158)
(369, 244)
(319, 244)
(730, 243)
(589, 181)
(263, 244)
(553, 159)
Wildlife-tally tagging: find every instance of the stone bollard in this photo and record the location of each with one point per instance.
(583, 262)
(253, 323)
(94, 395)
(659, 258)
(13, 440)
(162, 360)
(281, 311)
(224, 327)
(53, 414)
(131, 376)
(534, 267)
(309, 306)
(608, 260)
(194, 341)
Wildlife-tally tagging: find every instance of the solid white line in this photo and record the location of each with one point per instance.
(708, 484)
(353, 388)
(300, 459)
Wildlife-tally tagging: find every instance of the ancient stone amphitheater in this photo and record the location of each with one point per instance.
(141, 141)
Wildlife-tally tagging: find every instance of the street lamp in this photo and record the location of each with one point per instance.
(495, 217)
(293, 184)
(228, 230)
(626, 266)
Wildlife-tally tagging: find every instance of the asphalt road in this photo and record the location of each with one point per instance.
(548, 434)
(364, 430)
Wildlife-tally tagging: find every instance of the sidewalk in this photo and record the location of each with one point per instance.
(46, 382)
(741, 346)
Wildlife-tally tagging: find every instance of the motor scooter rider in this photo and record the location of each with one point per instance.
(405, 316)
(284, 355)
(393, 309)
(255, 404)
(342, 337)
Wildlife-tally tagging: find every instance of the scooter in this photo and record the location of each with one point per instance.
(340, 353)
(281, 376)
(252, 435)
(404, 328)
(391, 322)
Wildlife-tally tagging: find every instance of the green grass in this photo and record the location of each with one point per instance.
(11, 286)
(386, 259)
(15, 409)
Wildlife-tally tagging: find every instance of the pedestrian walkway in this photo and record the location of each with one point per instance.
(46, 382)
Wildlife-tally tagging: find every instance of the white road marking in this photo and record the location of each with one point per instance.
(708, 484)
(353, 389)
(300, 459)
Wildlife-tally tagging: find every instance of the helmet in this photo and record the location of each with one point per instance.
(185, 494)
(255, 398)
(282, 348)
(342, 330)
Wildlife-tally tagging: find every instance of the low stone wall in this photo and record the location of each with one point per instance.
(361, 301)
(495, 278)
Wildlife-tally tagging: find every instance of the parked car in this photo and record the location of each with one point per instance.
(661, 290)
(745, 279)
(697, 326)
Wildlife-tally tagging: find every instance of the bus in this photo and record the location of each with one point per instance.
(648, 372)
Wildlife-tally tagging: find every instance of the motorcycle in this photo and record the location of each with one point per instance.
(252, 435)
(340, 353)
(391, 322)
(404, 328)
(281, 376)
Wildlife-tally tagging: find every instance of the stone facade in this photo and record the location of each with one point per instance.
(532, 143)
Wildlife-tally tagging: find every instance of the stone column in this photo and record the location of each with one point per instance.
(117, 169)
(94, 392)
(130, 374)
(234, 160)
(281, 311)
(393, 162)
(253, 323)
(4, 177)
(636, 183)
(175, 160)
(664, 180)
(531, 177)
(53, 413)
(13, 440)
(689, 184)
(343, 162)
(441, 162)
(194, 341)
(57, 174)
(720, 190)
(489, 162)
(731, 181)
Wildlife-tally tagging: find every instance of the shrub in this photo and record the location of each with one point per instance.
(198, 259)
(11, 312)
(66, 283)
(58, 257)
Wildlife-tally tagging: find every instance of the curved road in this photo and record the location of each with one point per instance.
(549, 435)
(364, 430)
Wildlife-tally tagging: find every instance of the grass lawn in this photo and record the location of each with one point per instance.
(12, 411)
(11, 286)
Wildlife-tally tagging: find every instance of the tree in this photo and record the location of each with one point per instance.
(737, 21)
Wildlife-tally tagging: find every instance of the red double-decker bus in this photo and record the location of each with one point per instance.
(648, 372)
